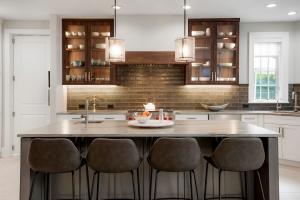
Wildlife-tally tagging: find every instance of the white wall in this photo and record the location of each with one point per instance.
(1, 84)
(150, 33)
(296, 52)
(246, 28)
(22, 24)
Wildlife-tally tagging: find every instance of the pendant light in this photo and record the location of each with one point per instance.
(185, 46)
(115, 48)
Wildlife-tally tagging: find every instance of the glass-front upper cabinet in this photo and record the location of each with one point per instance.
(200, 71)
(84, 52)
(217, 51)
(227, 52)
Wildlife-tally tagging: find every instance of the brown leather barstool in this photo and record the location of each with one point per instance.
(237, 155)
(53, 156)
(113, 156)
(174, 155)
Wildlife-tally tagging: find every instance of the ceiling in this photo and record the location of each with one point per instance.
(247, 10)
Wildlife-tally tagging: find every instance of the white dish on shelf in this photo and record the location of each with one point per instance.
(229, 45)
(100, 46)
(197, 64)
(204, 78)
(105, 34)
(151, 124)
(198, 33)
(229, 33)
(95, 34)
(220, 45)
(225, 64)
(221, 34)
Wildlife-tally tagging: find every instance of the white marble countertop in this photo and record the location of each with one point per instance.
(67, 128)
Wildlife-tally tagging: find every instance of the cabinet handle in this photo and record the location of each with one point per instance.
(109, 118)
(191, 118)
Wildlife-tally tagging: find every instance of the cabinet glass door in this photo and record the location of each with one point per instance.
(75, 53)
(226, 69)
(201, 68)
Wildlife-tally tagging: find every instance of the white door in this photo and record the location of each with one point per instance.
(31, 57)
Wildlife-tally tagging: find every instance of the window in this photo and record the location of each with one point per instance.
(268, 67)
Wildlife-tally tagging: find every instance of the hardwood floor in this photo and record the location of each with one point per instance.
(9, 180)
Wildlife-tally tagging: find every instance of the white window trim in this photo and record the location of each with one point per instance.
(283, 73)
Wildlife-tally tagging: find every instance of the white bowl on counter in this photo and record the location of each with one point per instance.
(229, 45)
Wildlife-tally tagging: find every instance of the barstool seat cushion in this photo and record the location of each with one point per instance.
(53, 156)
(175, 154)
(238, 155)
(113, 155)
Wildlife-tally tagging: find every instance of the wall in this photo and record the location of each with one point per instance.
(22, 24)
(1, 89)
(164, 86)
(296, 53)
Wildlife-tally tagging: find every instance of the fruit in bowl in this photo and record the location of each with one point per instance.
(142, 118)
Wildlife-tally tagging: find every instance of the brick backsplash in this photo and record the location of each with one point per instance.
(164, 86)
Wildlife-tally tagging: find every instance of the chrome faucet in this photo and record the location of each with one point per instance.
(86, 116)
(295, 98)
(278, 107)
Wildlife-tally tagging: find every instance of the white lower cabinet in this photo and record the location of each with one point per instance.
(191, 117)
(289, 140)
(93, 117)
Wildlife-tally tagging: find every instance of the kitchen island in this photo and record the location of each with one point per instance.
(207, 133)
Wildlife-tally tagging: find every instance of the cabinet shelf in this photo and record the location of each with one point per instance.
(75, 37)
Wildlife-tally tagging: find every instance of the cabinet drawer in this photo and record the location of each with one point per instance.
(191, 117)
(284, 120)
(69, 117)
(108, 117)
(250, 119)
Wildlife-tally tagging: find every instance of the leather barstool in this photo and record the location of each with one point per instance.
(174, 155)
(53, 156)
(237, 155)
(113, 156)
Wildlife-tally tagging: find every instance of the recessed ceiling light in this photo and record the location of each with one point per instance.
(116, 7)
(187, 7)
(292, 13)
(271, 5)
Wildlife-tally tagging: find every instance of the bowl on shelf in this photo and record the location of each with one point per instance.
(105, 34)
(225, 64)
(221, 34)
(229, 33)
(220, 45)
(214, 107)
(77, 63)
(142, 118)
(229, 45)
(198, 33)
(95, 34)
(100, 46)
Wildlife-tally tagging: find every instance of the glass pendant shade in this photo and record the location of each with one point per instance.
(185, 49)
(115, 50)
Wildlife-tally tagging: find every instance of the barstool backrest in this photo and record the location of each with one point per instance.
(53, 155)
(113, 155)
(175, 154)
(239, 154)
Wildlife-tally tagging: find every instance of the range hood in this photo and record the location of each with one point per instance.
(150, 57)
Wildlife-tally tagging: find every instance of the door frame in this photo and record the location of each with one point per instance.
(8, 68)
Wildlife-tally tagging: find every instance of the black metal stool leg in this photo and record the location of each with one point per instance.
(98, 182)
(88, 182)
(220, 174)
(261, 186)
(73, 186)
(93, 185)
(150, 185)
(205, 181)
(32, 184)
(196, 187)
(133, 185)
(155, 184)
(246, 186)
(191, 185)
(138, 183)
(47, 186)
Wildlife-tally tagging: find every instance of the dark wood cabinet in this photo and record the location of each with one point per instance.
(217, 51)
(83, 54)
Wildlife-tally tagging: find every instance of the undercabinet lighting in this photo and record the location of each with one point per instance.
(271, 5)
(292, 13)
(116, 7)
(187, 7)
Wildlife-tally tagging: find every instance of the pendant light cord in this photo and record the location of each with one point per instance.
(184, 12)
(115, 18)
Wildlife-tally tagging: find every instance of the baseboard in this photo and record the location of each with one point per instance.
(289, 163)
